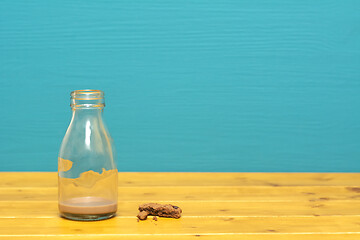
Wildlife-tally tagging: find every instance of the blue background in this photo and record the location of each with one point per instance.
(197, 85)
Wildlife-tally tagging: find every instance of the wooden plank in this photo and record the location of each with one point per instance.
(235, 236)
(263, 211)
(28, 179)
(34, 209)
(171, 194)
(49, 179)
(199, 225)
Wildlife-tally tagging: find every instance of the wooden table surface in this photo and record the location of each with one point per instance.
(251, 206)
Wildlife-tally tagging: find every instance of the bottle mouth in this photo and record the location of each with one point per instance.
(87, 98)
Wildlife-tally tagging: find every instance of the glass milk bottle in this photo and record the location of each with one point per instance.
(87, 174)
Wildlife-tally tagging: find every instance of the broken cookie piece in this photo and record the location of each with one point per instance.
(142, 215)
(161, 210)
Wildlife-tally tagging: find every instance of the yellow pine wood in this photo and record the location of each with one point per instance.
(262, 236)
(186, 225)
(31, 209)
(49, 179)
(202, 193)
(251, 206)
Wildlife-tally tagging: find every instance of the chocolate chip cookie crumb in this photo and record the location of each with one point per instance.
(161, 210)
(142, 215)
(155, 218)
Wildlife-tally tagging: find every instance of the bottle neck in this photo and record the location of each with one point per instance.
(86, 114)
(87, 107)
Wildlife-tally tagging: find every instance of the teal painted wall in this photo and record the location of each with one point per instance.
(198, 85)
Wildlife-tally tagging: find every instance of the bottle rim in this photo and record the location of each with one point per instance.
(87, 99)
(87, 94)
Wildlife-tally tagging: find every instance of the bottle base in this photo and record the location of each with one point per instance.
(87, 217)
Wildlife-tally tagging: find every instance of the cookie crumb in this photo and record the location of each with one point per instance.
(155, 218)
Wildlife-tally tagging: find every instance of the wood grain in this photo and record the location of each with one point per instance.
(253, 206)
(175, 193)
(241, 236)
(49, 209)
(136, 179)
(186, 225)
